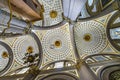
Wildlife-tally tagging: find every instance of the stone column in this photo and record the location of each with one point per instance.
(85, 72)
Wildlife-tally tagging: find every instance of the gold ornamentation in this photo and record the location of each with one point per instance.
(79, 63)
(5, 55)
(53, 14)
(57, 43)
(87, 37)
(30, 49)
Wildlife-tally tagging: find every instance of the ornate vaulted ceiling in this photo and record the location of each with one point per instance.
(59, 39)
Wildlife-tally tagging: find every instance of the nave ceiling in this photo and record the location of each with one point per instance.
(59, 40)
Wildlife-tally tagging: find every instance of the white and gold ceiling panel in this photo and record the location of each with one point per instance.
(19, 46)
(22, 45)
(56, 44)
(9, 41)
(6, 58)
(48, 21)
(104, 19)
(90, 37)
(52, 11)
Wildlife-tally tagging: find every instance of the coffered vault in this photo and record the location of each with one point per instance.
(59, 40)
